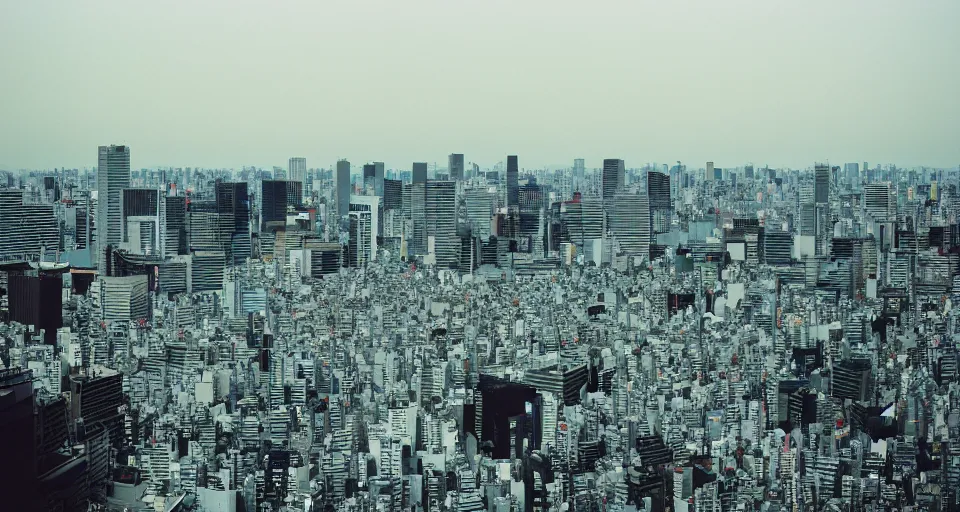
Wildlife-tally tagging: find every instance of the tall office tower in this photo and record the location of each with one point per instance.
(378, 177)
(480, 204)
(275, 197)
(419, 172)
(822, 184)
(369, 176)
(297, 170)
(113, 175)
(879, 202)
(417, 240)
(513, 181)
(18, 425)
(365, 215)
(392, 195)
(529, 228)
(612, 178)
(343, 188)
(143, 220)
(583, 219)
(578, 168)
(233, 206)
(175, 228)
(25, 229)
(658, 195)
(708, 175)
(35, 299)
(441, 206)
(630, 223)
(455, 166)
(851, 172)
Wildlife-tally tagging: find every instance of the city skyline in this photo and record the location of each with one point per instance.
(691, 81)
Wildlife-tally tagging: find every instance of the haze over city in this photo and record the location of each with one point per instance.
(226, 84)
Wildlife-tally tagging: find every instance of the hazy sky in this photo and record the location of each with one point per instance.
(232, 83)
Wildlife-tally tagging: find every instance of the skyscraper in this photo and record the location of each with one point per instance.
(612, 179)
(273, 203)
(378, 177)
(297, 170)
(369, 176)
(513, 181)
(455, 166)
(822, 184)
(578, 168)
(113, 175)
(658, 195)
(441, 217)
(419, 172)
(233, 206)
(392, 194)
(25, 229)
(343, 188)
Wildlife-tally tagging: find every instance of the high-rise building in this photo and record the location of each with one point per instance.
(419, 172)
(441, 216)
(392, 195)
(417, 237)
(36, 300)
(852, 172)
(365, 226)
(878, 200)
(273, 203)
(708, 176)
(25, 229)
(113, 175)
(513, 181)
(369, 175)
(123, 299)
(343, 188)
(480, 202)
(822, 184)
(378, 177)
(631, 224)
(658, 195)
(578, 168)
(143, 220)
(19, 430)
(613, 178)
(233, 206)
(297, 170)
(455, 166)
(175, 227)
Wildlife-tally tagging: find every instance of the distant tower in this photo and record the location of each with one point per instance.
(513, 181)
(821, 193)
(378, 178)
(343, 188)
(369, 176)
(420, 172)
(297, 170)
(612, 179)
(455, 166)
(578, 168)
(709, 174)
(658, 196)
(113, 175)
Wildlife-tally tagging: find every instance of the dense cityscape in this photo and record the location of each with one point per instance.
(598, 337)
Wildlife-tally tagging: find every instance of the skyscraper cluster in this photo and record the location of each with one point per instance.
(502, 338)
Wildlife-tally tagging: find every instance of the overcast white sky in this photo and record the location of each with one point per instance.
(242, 82)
